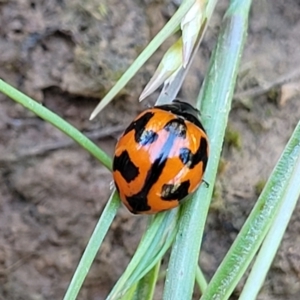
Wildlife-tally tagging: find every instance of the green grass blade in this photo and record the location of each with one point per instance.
(56, 121)
(216, 102)
(183, 263)
(155, 253)
(146, 286)
(129, 294)
(93, 246)
(155, 242)
(200, 279)
(257, 225)
(276, 232)
(165, 32)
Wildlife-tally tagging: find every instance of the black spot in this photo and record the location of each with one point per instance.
(190, 159)
(139, 126)
(203, 149)
(176, 127)
(125, 166)
(185, 155)
(138, 202)
(171, 192)
(148, 137)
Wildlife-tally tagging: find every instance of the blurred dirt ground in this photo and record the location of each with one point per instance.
(67, 54)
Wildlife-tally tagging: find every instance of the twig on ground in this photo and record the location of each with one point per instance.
(44, 148)
(258, 91)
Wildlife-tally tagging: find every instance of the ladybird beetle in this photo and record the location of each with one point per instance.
(160, 158)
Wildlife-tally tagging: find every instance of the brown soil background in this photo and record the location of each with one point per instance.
(67, 54)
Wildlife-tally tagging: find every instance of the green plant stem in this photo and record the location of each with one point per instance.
(257, 225)
(56, 121)
(93, 246)
(155, 242)
(146, 286)
(216, 98)
(200, 279)
(272, 241)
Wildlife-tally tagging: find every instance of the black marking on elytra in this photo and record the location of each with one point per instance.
(125, 166)
(176, 127)
(185, 155)
(139, 126)
(147, 137)
(171, 192)
(138, 202)
(185, 110)
(191, 160)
